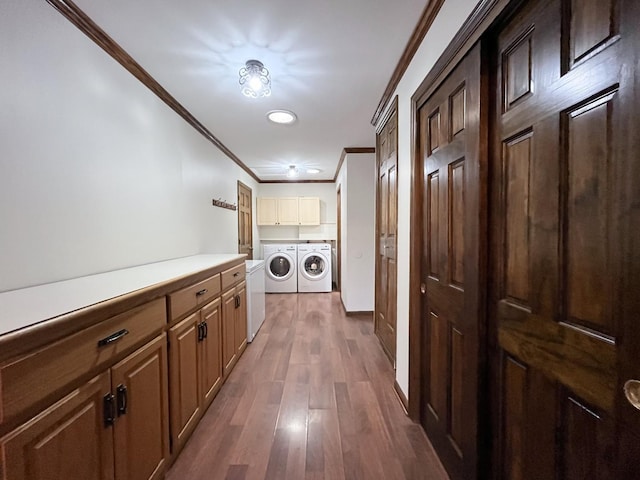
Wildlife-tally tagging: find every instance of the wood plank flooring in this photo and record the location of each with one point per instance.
(311, 398)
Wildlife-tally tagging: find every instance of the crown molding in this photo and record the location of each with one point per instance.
(86, 25)
(351, 150)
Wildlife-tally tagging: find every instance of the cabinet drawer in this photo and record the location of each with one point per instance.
(233, 275)
(188, 298)
(32, 378)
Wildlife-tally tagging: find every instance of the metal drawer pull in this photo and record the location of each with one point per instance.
(201, 292)
(200, 332)
(236, 274)
(122, 399)
(205, 329)
(113, 337)
(107, 412)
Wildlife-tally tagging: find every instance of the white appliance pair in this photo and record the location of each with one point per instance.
(291, 268)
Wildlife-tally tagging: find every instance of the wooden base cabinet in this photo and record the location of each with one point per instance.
(141, 428)
(115, 424)
(234, 325)
(195, 369)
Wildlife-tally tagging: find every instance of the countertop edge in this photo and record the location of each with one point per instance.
(45, 330)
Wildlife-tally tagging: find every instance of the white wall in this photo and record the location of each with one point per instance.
(96, 173)
(357, 179)
(450, 18)
(327, 228)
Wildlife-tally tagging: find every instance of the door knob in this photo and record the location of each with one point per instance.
(423, 288)
(632, 392)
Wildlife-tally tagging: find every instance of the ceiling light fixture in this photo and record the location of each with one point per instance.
(313, 170)
(254, 80)
(283, 117)
(292, 172)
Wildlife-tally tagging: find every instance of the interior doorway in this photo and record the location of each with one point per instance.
(245, 220)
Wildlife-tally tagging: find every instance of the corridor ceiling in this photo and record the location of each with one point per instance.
(329, 60)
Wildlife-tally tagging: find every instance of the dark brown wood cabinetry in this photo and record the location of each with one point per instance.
(195, 369)
(234, 328)
(109, 400)
(73, 426)
(116, 423)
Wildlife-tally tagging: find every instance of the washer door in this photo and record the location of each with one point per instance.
(314, 266)
(280, 267)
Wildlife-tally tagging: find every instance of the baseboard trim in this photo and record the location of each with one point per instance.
(401, 397)
(362, 312)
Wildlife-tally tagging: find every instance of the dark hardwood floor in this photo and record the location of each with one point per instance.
(311, 398)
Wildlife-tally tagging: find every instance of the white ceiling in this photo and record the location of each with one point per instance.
(330, 61)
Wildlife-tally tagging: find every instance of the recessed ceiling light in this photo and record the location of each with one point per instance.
(313, 170)
(284, 117)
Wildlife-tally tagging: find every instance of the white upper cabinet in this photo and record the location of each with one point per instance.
(309, 211)
(288, 211)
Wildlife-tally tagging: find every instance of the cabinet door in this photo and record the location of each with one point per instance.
(184, 387)
(228, 330)
(267, 211)
(288, 211)
(210, 354)
(68, 440)
(309, 211)
(141, 430)
(240, 333)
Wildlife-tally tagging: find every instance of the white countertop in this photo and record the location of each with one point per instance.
(28, 306)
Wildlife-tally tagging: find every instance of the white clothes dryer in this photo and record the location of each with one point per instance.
(280, 268)
(314, 267)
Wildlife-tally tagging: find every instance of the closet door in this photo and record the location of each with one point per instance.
(387, 228)
(452, 273)
(565, 226)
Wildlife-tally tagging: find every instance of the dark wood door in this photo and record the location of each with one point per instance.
(141, 431)
(245, 221)
(451, 266)
(68, 440)
(387, 228)
(565, 249)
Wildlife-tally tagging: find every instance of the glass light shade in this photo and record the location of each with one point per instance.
(284, 117)
(292, 172)
(254, 80)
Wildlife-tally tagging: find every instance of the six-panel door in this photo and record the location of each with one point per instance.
(564, 227)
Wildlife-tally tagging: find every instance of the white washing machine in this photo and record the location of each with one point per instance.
(314, 267)
(280, 268)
